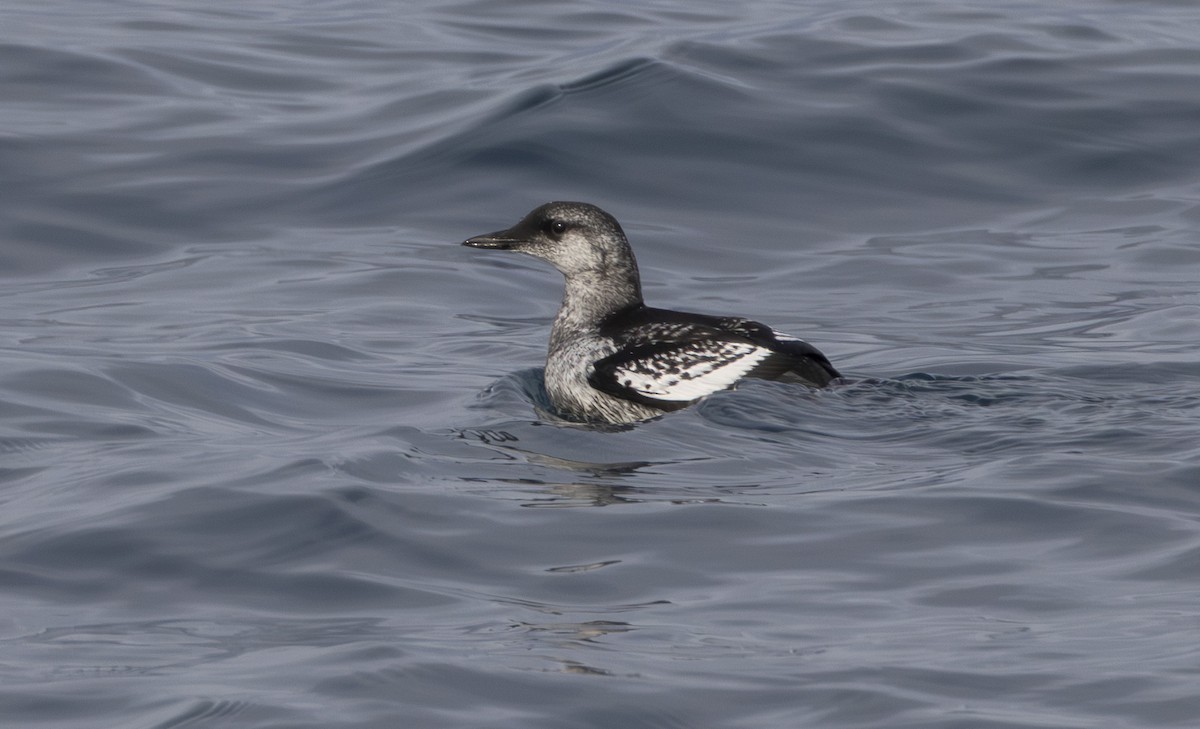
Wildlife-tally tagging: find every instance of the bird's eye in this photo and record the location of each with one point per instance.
(558, 227)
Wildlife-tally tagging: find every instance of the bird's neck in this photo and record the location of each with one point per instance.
(590, 297)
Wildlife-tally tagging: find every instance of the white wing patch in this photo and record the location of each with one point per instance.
(785, 337)
(691, 371)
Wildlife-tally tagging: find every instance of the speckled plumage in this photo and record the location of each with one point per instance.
(612, 359)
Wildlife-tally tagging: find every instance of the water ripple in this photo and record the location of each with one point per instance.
(276, 450)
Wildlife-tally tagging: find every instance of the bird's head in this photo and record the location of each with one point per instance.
(576, 238)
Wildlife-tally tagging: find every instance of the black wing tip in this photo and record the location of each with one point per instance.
(797, 360)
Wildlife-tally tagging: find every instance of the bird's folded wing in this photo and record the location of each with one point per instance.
(669, 375)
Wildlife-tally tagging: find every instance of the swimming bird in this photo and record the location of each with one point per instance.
(612, 359)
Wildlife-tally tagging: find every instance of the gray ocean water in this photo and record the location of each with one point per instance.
(271, 448)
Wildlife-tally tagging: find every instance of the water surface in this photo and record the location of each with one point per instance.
(271, 444)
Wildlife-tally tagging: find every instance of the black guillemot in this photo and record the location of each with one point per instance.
(612, 359)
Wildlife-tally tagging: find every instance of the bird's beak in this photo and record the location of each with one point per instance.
(501, 240)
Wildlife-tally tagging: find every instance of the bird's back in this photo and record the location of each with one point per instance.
(666, 359)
